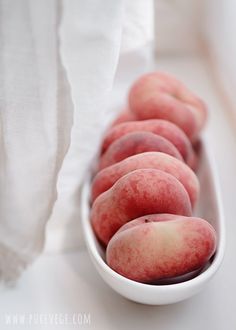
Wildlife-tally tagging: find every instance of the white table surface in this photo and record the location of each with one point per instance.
(68, 283)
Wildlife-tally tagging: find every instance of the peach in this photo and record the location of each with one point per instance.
(136, 143)
(140, 192)
(160, 127)
(161, 246)
(161, 96)
(105, 179)
(125, 115)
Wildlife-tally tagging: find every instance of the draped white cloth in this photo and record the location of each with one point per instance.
(57, 64)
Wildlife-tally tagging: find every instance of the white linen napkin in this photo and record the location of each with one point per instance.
(31, 117)
(52, 99)
(93, 35)
(58, 60)
(90, 35)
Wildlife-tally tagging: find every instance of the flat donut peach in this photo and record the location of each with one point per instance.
(106, 178)
(161, 246)
(141, 192)
(160, 127)
(136, 143)
(161, 96)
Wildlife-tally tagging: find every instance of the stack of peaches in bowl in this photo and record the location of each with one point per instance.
(144, 193)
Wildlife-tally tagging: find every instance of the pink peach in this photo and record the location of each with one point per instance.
(160, 127)
(106, 178)
(163, 246)
(123, 116)
(161, 96)
(136, 143)
(140, 192)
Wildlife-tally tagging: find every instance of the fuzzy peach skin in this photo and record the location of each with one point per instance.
(136, 143)
(162, 96)
(105, 179)
(143, 191)
(125, 115)
(160, 127)
(161, 246)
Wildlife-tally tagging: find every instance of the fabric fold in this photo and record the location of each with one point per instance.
(32, 117)
(90, 39)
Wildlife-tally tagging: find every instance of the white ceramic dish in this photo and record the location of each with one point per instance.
(209, 207)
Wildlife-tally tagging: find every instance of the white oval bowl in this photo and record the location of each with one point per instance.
(209, 207)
